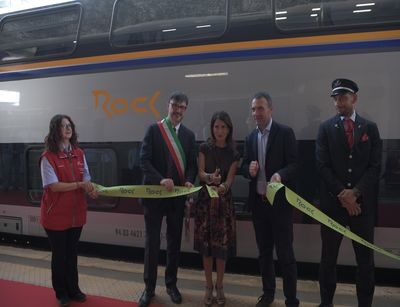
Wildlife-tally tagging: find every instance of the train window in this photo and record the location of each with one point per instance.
(40, 33)
(11, 166)
(290, 15)
(102, 163)
(249, 12)
(312, 14)
(33, 177)
(136, 22)
(249, 7)
(356, 12)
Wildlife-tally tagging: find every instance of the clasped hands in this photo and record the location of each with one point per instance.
(214, 179)
(89, 188)
(348, 199)
(168, 183)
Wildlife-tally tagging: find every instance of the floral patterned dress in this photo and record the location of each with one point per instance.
(215, 223)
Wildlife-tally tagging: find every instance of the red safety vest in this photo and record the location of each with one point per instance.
(63, 210)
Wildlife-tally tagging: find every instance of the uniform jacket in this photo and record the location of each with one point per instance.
(341, 168)
(281, 156)
(63, 210)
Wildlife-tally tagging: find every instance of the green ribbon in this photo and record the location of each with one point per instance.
(305, 207)
(149, 191)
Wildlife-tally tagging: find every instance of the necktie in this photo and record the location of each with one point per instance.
(349, 129)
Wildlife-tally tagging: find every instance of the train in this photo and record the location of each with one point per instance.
(111, 66)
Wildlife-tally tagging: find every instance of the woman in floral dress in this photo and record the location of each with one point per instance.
(215, 225)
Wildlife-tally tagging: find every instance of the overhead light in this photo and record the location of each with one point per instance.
(29, 4)
(362, 11)
(280, 12)
(365, 4)
(207, 75)
(316, 9)
(169, 30)
(280, 18)
(9, 97)
(203, 26)
(314, 15)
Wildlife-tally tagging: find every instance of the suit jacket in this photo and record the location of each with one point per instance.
(281, 156)
(155, 156)
(343, 168)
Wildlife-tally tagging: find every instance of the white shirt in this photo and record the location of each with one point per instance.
(262, 141)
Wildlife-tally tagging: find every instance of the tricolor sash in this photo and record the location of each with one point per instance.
(174, 146)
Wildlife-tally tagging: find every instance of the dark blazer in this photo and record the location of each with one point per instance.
(281, 156)
(154, 156)
(343, 168)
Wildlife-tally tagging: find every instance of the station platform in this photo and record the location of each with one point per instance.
(124, 281)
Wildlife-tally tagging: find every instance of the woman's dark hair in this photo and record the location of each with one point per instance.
(223, 116)
(53, 138)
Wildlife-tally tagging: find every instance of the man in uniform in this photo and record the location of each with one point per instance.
(348, 154)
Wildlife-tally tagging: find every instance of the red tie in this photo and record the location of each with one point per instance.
(349, 129)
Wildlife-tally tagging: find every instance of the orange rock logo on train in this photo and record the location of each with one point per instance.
(120, 105)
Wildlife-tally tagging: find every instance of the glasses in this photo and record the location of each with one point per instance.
(66, 126)
(178, 106)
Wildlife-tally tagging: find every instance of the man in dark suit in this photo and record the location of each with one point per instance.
(163, 163)
(348, 154)
(270, 154)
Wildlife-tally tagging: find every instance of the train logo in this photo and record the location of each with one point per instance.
(119, 105)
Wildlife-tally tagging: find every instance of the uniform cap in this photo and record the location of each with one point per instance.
(343, 86)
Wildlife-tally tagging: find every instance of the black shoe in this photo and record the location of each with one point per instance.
(264, 301)
(174, 294)
(145, 298)
(293, 302)
(63, 301)
(79, 297)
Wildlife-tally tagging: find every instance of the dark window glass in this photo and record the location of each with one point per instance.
(249, 12)
(389, 188)
(34, 179)
(153, 21)
(39, 33)
(11, 167)
(102, 163)
(249, 7)
(312, 14)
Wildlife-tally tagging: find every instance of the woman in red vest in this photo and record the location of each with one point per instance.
(65, 178)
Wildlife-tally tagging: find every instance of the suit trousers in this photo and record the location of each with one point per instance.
(365, 276)
(273, 227)
(64, 260)
(173, 209)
